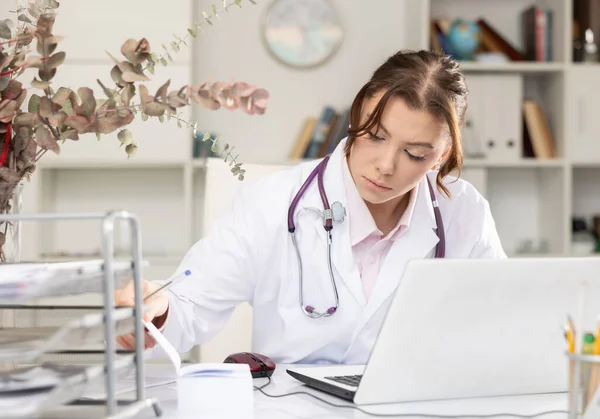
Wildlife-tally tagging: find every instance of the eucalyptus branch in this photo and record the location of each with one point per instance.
(236, 168)
(175, 46)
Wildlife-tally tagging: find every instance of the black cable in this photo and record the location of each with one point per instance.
(400, 415)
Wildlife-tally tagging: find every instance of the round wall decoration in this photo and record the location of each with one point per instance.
(302, 33)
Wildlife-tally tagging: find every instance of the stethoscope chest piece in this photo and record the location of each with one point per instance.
(337, 213)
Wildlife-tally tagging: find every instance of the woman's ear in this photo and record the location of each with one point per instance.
(442, 158)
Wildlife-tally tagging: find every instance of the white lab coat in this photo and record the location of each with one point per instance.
(249, 256)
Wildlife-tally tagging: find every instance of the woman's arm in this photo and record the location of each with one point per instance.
(224, 268)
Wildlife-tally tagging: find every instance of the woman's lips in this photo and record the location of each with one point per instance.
(376, 186)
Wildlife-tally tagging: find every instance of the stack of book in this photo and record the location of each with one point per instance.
(319, 137)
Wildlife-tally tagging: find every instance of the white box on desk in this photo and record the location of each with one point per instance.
(215, 391)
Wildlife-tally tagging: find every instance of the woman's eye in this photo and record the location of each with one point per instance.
(415, 158)
(375, 137)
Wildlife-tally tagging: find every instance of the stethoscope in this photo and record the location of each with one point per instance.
(337, 213)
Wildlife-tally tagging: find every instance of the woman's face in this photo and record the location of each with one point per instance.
(389, 163)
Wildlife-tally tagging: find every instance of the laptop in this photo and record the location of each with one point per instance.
(461, 328)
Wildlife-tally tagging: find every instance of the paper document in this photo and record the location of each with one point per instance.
(166, 345)
(202, 369)
(127, 383)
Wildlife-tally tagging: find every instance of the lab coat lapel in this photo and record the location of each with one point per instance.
(417, 242)
(342, 259)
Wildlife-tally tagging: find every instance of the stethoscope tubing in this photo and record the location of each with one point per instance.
(318, 172)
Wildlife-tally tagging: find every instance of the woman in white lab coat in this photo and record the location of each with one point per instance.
(404, 137)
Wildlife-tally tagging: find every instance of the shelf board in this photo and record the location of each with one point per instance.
(110, 164)
(152, 259)
(524, 163)
(586, 165)
(513, 67)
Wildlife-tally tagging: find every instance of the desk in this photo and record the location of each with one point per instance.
(306, 407)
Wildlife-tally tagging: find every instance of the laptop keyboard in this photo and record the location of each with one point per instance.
(349, 380)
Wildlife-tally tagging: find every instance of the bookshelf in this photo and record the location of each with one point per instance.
(533, 200)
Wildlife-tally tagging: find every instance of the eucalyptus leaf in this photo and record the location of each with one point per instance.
(24, 18)
(192, 32)
(8, 109)
(4, 82)
(27, 119)
(45, 139)
(70, 134)
(131, 149)
(47, 75)
(88, 102)
(55, 60)
(238, 3)
(6, 29)
(37, 84)
(34, 103)
(125, 137)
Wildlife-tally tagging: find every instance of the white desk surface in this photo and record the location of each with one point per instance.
(303, 406)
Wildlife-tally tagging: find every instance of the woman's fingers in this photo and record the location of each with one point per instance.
(128, 341)
(149, 341)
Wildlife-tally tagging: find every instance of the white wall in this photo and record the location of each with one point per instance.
(233, 48)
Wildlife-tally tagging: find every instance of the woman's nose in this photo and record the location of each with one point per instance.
(387, 163)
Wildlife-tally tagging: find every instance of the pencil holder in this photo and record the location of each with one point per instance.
(584, 381)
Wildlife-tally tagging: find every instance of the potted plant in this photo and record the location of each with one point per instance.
(55, 116)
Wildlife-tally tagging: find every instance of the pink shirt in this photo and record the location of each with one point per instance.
(368, 244)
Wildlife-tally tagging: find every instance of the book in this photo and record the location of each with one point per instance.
(320, 133)
(303, 139)
(538, 130)
(494, 42)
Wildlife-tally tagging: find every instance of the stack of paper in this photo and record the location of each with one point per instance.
(27, 392)
(22, 281)
(26, 343)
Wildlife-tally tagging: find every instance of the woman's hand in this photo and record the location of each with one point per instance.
(157, 309)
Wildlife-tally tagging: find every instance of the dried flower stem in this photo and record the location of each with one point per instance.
(192, 31)
(14, 70)
(12, 41)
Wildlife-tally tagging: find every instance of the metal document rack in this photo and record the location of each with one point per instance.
(98, 324)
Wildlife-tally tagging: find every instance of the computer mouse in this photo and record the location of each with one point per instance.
(260, 365)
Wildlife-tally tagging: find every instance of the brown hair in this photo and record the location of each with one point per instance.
(425, 81)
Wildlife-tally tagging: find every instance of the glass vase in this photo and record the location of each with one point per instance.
(12, 229)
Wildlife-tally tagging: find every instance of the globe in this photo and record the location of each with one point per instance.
(463, 37)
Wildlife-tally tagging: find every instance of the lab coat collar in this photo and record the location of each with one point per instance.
(417, 241)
